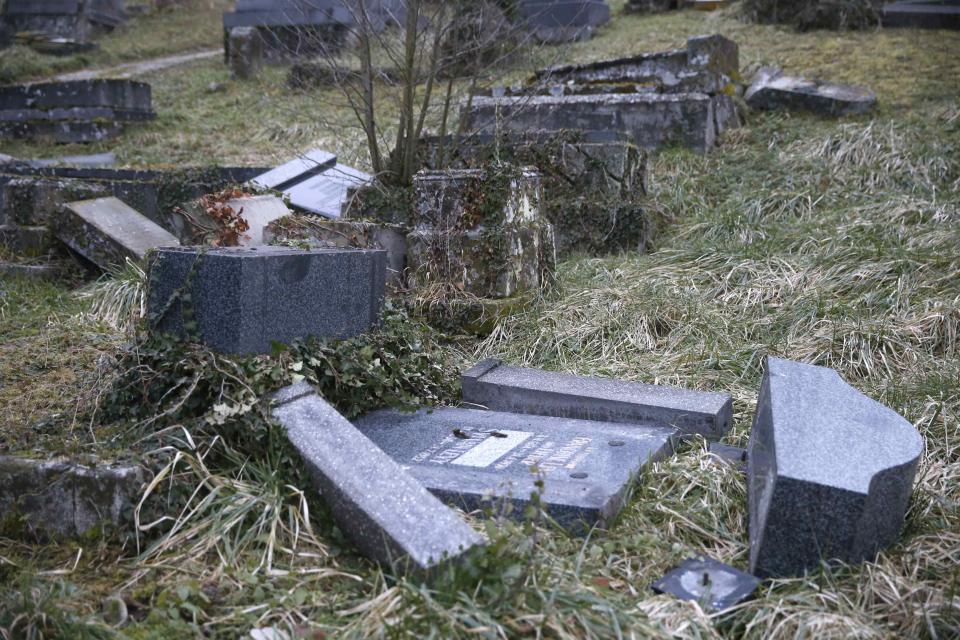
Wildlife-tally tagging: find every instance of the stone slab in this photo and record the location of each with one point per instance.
(297, 170)
(923, 15)
(116, 94)
(652, 120)
(59, 498)
(62, 132)
(716, 586)
(736, 456)
(830, 471)
(447, 200)
(37, 201)
(106, 231)
(327, 193)
(494, 385)
(242, 300)
(26, 241)
(770, 89)
(376, 503)
(259, 212)
(478, 459)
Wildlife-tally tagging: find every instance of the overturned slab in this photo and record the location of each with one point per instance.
(106, 231)
(243, 300)
(55, 498)
(770, 89)
(487, 459)
(499, 387)
(652, 120)
(830, 471)
(376, 503)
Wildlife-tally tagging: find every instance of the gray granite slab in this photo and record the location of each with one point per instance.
(770, 89)
(106, 231)
(325, 194)
(242, 300)
(390, 516)
(500, 387)
(716, 586)
(259, 212)
(830, 471)
(297, 170)
(483, 459)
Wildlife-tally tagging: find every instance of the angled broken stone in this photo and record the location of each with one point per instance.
(384, 511)
(297, 170)
(830, 471)
(106, 231)
(493, 460)
(259, 212)
(770, 89)
(716, 586)
(499, 387)
(244, 299)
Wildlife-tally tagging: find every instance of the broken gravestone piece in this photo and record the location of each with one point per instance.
(479, 459)
(243, 300)
(60, 498)
(480, 231)
(770, 89)
(496, 386)
(258, 212)
(106, 231)
(384, 511)
(716, 586)
(830, 471)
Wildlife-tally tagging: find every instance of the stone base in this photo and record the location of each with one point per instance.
(26, 241)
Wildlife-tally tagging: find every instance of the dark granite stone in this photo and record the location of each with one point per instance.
(244, 299)
(652, 120)
(716, 586)
(106, 231)
(478, 459)
(380, 507)
(556, 21)
(736, 456)
(58, 498)
(924, 14)
(115, 94)
(499, 387)
(830, 471)
(770, 89)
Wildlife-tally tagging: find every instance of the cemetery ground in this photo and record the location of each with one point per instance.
(830, 242)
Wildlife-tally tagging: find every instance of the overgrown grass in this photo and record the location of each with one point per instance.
(829, 242)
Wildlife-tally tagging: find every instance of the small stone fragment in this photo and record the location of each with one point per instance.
(716, 586)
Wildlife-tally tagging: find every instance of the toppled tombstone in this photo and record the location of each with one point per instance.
(496, 386)
(923, 14)
(830, 471)
(106, 231)
(716, 586)
(770, 89)
(481, 232)
(652, 120)
(244, 300)
(245, 52)
(258, 212)
(74, 20)
(58, 498)
(314, 183)
(376, 503)
(75, 111)
(594, 183)
(357, 234)
(479, 459)
(555, 21)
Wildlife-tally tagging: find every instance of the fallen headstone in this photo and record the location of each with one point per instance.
(106, 231)
(297, 170)
(73, 111)
(258, 212)
(376, 503)
(716, 586)
(314, 183)
(59, 498)
(555, 21)
(770, 89)
(476, 459)
(498, 387)
(243, 300)
(830, 471)
(924, 14)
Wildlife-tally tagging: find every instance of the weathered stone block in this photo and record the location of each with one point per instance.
(376, 503)
(242, 300)
(26, 241)
(496, 386)
(33, 201)
(106, 231)
(770, 90)
(652, 120)
(59, 498)
(245, 52)
(465, 199)
(479, 459)
(830, 471)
